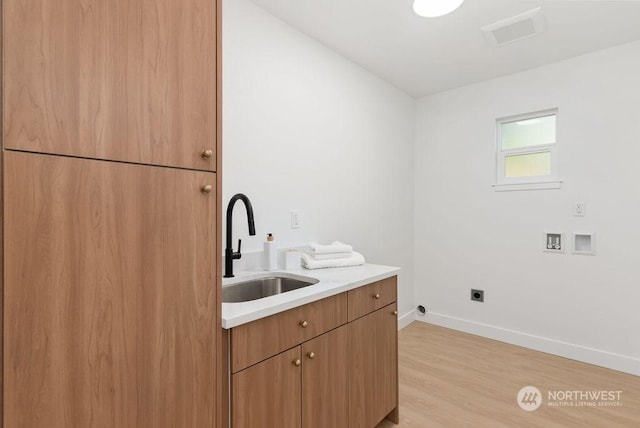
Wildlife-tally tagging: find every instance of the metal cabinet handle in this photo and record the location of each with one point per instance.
(207, 154)
(303, 324)
(207, 188)
(297, 362)
(311, 355)
(376, 296)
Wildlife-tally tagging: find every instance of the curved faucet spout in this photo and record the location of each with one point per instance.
(229, 254)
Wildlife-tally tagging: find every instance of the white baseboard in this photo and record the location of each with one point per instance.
(406, 319)
(584, 354)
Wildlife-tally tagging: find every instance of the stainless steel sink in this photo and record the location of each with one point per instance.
(257, 288)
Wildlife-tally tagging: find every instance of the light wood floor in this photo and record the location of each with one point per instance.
(453, 379)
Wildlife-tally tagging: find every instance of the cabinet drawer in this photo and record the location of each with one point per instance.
(371, 297)
(261, 339)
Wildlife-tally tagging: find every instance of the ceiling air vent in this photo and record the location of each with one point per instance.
(517, 27)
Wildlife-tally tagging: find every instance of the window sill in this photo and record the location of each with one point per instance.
(540, 185)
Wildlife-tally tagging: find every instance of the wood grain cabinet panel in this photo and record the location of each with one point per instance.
(372, 297)
(325, 380)
(109, 287)
(268, 394)
(126, 80)
(373, 368)
(263, 338)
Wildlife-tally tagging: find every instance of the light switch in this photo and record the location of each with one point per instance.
(579, 209)
(295, 220)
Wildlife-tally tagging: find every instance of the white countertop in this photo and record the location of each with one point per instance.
(331, 282)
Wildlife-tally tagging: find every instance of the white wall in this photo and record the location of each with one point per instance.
(468, 236)
(304, 129)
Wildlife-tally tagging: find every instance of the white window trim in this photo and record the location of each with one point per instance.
(551, 181)
(540, 185)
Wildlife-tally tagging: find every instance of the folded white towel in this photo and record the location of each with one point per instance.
(308, 262)
(335, 247)
(332, 256)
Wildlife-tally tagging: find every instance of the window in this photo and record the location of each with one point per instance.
(527, 152)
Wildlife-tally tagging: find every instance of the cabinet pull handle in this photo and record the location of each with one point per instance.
(311, 355)
(395, 312)
(303, 324)
(297, 362)
(206, 154)
(207, 188)
(376, 296)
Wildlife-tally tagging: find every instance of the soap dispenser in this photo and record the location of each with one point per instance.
(270, 253)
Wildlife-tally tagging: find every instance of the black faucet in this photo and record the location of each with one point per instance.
(229, 254)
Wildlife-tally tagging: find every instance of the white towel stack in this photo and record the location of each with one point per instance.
(333, 255)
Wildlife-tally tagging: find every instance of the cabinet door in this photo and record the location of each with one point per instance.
(128, 80)
(110, 297)
(325, 382)
(373, 369)
(268, 394)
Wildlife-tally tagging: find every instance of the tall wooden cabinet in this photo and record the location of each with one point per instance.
(111, 218)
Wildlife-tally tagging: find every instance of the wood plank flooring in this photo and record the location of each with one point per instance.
(454, 379)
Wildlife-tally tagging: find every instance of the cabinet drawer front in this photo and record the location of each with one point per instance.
(371, 297)
(261, 339)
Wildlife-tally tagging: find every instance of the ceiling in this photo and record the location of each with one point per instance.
(423, 56)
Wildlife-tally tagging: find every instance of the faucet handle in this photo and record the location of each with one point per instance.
(235, 255)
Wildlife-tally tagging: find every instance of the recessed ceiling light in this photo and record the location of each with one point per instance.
(434, 8)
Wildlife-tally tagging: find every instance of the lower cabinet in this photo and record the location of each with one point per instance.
(373, 368)
(268, 394)
(306, 386)
(325, 381)
(344, 377)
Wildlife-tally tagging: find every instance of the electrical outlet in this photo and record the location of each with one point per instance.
(477, 295)
(579, 209)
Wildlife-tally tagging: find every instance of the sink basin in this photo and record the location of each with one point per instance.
(258, 288)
